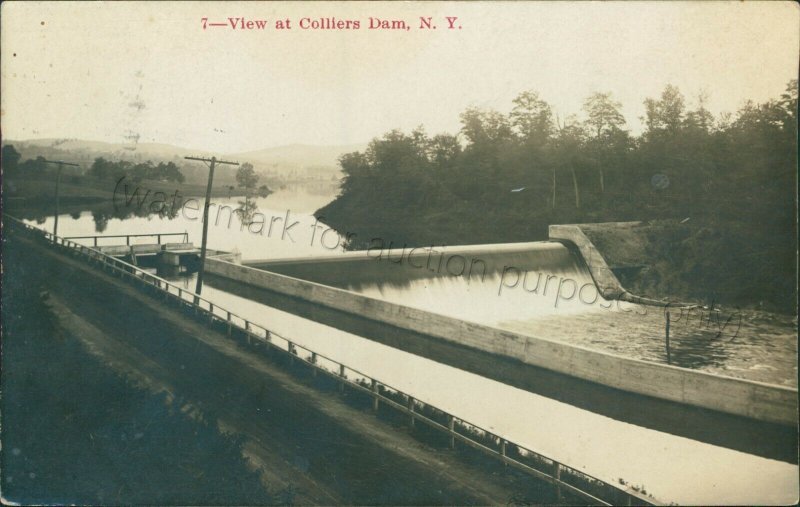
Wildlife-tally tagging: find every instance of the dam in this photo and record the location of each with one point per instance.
(485, 311)
(368, 311)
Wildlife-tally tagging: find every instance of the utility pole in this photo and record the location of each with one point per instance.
(211, 163)
(60, 165)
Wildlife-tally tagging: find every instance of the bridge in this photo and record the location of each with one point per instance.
(164, 255)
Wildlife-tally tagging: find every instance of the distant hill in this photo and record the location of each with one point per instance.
(294, 161)
(304, 155)
(128, 150)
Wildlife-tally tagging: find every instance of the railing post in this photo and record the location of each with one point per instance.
(503, 451)
(314, 364)
(159, 238)
(341, 376)
(210, 313)
(451, 422)
(669, 356)
(375, 400)
(229, 325)
(95, 241)
(290, 349)
(128, 240)
(247, 331)
(557, 477)
(410, 406)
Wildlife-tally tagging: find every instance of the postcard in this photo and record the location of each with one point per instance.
(399, 253)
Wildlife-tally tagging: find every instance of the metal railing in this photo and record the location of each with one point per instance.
(481, 439)
(184, 235)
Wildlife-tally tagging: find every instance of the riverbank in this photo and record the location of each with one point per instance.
(87, 189)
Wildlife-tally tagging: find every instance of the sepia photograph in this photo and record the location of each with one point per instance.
(399, 253)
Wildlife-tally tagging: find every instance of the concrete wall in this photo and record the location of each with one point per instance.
(604, 278)
(734, 396)
(606, 281)
(233, 257)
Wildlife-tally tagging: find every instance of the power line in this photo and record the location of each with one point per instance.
(60, 164)
(211, 163)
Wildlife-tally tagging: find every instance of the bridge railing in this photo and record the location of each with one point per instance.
(183, 235)
(564, 478)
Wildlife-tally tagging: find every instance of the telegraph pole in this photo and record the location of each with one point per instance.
(211, 163)
(60, 164)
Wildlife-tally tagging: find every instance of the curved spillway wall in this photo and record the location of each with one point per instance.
(487, 284)
(734, 396)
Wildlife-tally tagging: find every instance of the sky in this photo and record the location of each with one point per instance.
(114, 71)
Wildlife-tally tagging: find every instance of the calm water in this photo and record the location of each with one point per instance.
(297, 202)
(672, 468)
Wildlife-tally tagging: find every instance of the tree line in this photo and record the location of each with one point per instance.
(591, 163)
(102, 169)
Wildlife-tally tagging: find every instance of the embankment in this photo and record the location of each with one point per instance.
(303, 440)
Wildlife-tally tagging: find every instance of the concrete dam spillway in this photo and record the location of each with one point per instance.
(486, 284)
(521, 302)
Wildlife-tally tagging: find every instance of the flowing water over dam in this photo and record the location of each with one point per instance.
(540, 288)
(544, 289)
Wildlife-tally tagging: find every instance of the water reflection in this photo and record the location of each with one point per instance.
(246, 211)
(287, 230)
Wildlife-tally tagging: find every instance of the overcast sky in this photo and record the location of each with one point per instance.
(100, 71)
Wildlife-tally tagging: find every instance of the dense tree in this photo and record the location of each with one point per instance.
(532, 118)
(608, 139)
(10, 159)
(700, 121)
(33, 168)
(246, 176)
(161, 172)
(247, 179)
(103, 169)
(485, 127)
(443, 151)
(569, 148)
(665, 115)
